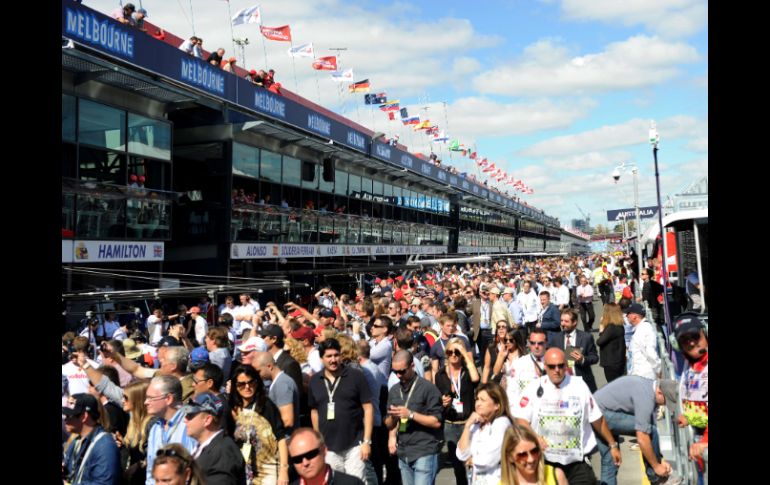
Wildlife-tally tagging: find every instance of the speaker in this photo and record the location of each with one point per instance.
(328, 170)
(308, 171)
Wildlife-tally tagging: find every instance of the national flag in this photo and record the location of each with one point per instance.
(247, 15)
(465, 152)
(411, 121)
(328, 63)
(422, 125)
(391, 115)
(481, 162)
(342, 76)
(304, 50)
(404, 113)
(433, 130)
(282, 34)
(490, 168)
(530, 191)
(442, 138)
(391, 106)
(454, 146)
(378, 98)
(473, 155)
(359, 87)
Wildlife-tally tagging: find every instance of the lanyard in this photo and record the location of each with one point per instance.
(408, 396)
(455, 384)
(333, 389)
(537, 366)
(78, 473)
(165, 438)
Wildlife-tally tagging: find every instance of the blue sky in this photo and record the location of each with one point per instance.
(556, 92)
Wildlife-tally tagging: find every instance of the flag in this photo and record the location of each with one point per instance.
(455, 145)
(247, 15)
(391, 115)
(442, 138)
(473, 156)
(282, 34)
(328, 63)
(342, 76)
(481, 162)
(465, 152)
(304, 50)
(422, 125)
(378, 98)
(433, 130)
(411, 121)
(390, 106)
(359, 87)
(490, 168)
(404, 113)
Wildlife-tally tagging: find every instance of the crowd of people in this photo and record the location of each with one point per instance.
(486, 360)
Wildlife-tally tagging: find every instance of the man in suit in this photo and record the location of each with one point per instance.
(480, 313)
(583, 354)
(548, 318)
(217, 455)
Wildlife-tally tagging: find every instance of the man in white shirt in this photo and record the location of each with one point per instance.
(561, 410)
(77, 378)
(228, 306)
(200, 325)
(643, 359)
(244, 312)
(561, 295)
(530, 304)
(526, 368)
(156, 327)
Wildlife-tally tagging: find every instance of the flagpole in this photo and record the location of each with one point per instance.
(232, 33)
(294, 67)
(264, 44)
(317, 86)
(192, 17)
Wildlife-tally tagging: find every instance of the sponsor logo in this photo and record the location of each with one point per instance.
(81, 251)
(523, 403)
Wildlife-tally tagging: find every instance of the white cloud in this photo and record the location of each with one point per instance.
(632, 132)
(465, 65)
(546, 69)
(587, 161)
(668, 18)
(699, 144)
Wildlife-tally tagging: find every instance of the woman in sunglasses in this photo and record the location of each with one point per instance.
(259, 430)
(457, 381)
(483, 434)
(133, 447)
(174, 466)
(523, 462)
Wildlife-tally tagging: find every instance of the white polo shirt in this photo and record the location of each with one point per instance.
(562, 416)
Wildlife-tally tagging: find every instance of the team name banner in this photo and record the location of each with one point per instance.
(271, 251)
(115, 251)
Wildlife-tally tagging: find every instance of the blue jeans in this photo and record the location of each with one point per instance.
(623, 424)
(421, 471)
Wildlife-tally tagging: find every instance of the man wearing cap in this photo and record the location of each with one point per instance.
(628, 405)
(306, 335)
(248, 349)
(561, 410)
(499, 311)
(217, 455)
(124, 14)
(694, 384)
(93, 456)
(139, 17)
(200, 324)
(164, 401)
(517, 314)
(642, 356)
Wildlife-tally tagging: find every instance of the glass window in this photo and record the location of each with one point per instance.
(366, 185)
(245, 160)
(311, 182)
(377, 188)
(102, 166)
(270, 166)
(149, 137)
(68, 126)
(354, 186)
(353, 230)
(340, 182)
(323, 185)
(387, 190)
(102, 126)
(292, 171)
(340, 230)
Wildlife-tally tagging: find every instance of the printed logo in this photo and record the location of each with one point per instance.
(524, 401)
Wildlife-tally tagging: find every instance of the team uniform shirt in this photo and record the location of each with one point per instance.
(562, 416)
(77, 378)
(518, 375)
(694, 393)
(642, 355)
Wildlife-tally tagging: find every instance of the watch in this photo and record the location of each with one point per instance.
(366, 442)
(615, 445)
(411, 415)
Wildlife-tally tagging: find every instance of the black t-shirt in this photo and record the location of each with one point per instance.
(350, 394)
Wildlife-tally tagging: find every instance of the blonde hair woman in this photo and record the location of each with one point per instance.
(522, 461)
(612, 342)
(134, 444)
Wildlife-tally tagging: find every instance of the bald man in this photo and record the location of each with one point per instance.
(307, 451)
(283, 390)
(561, 410)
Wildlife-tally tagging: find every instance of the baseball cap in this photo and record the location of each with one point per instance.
(142, 11)
(687, 324)
(494, 290)
(79, 403)
(510, 291)
(635, 308)
(195, 309)
(169, 341)
(199, 356)
(272, 331)
(204, 402)
(303, 333)
(327, 313)
(252, 344)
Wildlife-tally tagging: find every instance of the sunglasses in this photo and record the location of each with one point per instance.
(510, 341)
(241, 385)
(556, 366)
(534, 452)
(309, 455)
(379, 326)
(455, 352)
(400, 372)
(170, 452)
(542, 342)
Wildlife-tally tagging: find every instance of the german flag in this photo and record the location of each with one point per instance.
(359, 87)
